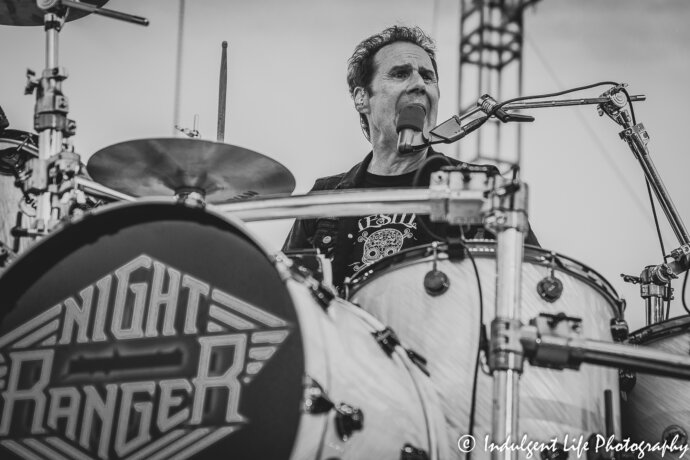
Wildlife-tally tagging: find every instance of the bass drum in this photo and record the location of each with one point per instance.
(444, 328)
(155, 330)
(16, 147)
(656, 409)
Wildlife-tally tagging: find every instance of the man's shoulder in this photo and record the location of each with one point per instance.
(455, 162)
(328, 182)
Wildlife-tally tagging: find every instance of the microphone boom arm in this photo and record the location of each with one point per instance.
(452, 129)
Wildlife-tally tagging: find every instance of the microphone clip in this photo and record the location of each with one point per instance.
(488, 105)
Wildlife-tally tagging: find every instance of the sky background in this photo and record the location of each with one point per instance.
(287, 99)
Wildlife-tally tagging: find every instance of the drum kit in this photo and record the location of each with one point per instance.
(139, 327)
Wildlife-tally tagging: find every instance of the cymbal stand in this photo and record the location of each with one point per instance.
(50, 176)
(52, 125)
(655, 279)
(507, 218)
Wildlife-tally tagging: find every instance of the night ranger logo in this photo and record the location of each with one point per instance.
(139, 324)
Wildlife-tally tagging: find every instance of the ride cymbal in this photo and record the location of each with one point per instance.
(27, 13)
(165, 166)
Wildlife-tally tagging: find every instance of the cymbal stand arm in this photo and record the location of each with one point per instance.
(104, 12)
(508, 220)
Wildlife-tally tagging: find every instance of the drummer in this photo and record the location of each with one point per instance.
(386, 72)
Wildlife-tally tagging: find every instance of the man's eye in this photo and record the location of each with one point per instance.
(400, 74)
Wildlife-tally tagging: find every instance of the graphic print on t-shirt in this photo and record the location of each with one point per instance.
(382, 235)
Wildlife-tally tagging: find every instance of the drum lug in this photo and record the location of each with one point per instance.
(348, 419)
(619, 329)
(436, 283)
(550, 288)
(6, 255)
(626, 380)
(315, 399)
(387, 339)
(410, 452)
(419, 360)
(674, 434)
(558, 453)
(321, 293)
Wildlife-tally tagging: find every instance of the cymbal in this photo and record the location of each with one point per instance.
(26, 13)
(156, 167)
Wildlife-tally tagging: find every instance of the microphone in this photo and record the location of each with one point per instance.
(410, 124)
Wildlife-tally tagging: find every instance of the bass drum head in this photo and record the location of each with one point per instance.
(148, 330)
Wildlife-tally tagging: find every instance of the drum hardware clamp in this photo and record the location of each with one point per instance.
(556, 341)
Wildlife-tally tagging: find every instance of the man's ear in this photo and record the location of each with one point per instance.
(361, 99)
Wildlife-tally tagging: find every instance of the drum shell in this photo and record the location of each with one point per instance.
(333, 345)
(399, 404)
(445, 330)
(657, 403)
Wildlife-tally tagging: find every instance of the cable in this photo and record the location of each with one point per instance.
(415, 181)
(479, 346)
(682, 294)
(594, 136)
(425, 163)
(656, 220)
(649, 188)
(630, 104)
(559, 93)
(481, 331)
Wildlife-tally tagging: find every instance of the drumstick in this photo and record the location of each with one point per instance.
(222, 91)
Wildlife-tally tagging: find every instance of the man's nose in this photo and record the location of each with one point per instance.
(417, 83)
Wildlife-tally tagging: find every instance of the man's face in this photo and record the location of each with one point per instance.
(403, 74)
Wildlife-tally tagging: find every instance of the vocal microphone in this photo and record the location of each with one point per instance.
(410, 126)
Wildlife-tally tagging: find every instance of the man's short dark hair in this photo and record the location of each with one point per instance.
(360, 66)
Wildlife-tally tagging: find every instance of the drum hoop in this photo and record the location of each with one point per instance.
(482, 248)
(663, 329)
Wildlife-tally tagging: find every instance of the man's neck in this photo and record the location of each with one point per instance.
(386, 161)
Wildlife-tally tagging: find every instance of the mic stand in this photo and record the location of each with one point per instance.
(655, 279)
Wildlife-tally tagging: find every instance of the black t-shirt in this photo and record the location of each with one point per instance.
(373, 237)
